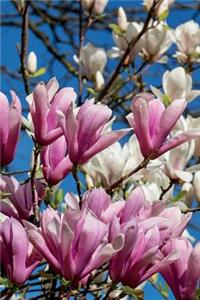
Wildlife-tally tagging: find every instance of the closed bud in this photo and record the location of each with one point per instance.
(122, 19)
(32, 62)
(196, 185)
(99, 80)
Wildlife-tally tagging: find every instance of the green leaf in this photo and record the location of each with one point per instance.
(138, 294)
(179, 196)
(4, 281)
(39, 72)
(91, 91)
(116, 29)
(164, 15)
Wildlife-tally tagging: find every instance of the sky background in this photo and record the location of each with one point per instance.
(10, 37)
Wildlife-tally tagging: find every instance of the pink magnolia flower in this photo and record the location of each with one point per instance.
(83, 132)
(182, 275)
(18, 256)
(43, 103)
(139, 259)
(55, 161)
(99, 202)
(10, 124)
(18, 201)
(152, 123)
(74, 243)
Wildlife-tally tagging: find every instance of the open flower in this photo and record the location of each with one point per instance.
(18, 256)
(84, 132)
(178, 84)
(187, 36)
(10, 124)
(43, 103)
(182, 275)
(18, 200)
(152, 123)
(74, 243)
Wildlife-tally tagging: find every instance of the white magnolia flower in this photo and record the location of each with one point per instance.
(108, 166)
(161, 7)
(32, 62)
(196, 184)
(99, 80)
(177, 158)
(97, 6)
(156, 42)
(187, 38)
(92, 59)
(122, 41)
(122, 19)
(178, 84)
(194, 123)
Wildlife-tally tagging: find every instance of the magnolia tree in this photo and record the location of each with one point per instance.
(121, 131)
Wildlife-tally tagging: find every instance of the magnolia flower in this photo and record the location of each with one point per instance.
(32, 62)
(18, 256)
(74, 244)
(194, 123)
(187, 37)
(122, 42)
(83, 132)
(91, 59)
(122, 19)
(99, 80)
(43, 103)
(196, 184)
(178, 84)
(156, 42)
(18, 200)
(152, 124)
(161, 8)
(183, 274)
(55, 161)
(10, 124)
(96, 6)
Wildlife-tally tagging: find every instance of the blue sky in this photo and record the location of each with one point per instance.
(9, 57)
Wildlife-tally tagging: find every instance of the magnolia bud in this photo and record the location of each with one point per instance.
(32, 62)
(99, 6)
(196, 184)
(87, 3)
(122, 19)
(99, 80)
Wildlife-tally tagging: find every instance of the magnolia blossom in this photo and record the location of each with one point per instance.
(43, 103)
(178, 84)
(156, 42)
(84, 131)
(18, 256)
(152, 124)
(96, 6)
(182, 275)
(102, 168)
(74, 244)
(55, 161)
(122, 19)
(10, 124)
(161, 8)
(17, 201)
(194, 123)
(91, 59)
(32, 62)
(196, 184)
(122, 42)
(99, 80)
(187, 37)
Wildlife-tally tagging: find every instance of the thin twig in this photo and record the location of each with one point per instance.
(193, 210)
(37, 151)
(24, 45)
(78, 184)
